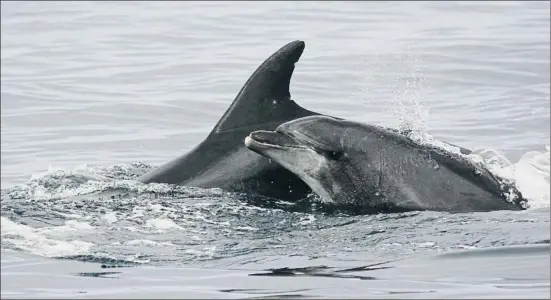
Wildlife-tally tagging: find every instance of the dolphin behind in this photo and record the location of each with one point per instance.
(222, 161)
(376, 169)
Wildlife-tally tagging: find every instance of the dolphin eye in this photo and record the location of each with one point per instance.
(334, 155)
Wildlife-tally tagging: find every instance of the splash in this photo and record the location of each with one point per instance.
(408, 101)
(398, 76)
(530, 173)
(406, 87)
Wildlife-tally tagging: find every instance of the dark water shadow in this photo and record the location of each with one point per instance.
(324, 271)
(272, 294)
(98, 274)
(105, 262)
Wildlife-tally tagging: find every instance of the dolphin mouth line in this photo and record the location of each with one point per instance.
(271, 139)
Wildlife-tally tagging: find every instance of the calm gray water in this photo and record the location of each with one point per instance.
(95, 93)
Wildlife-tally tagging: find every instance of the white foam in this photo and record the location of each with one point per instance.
(144, 242)
(531, 174)
(110, 217)
(305, 220)
(35, 241)
(205, 252)
(161, 225)
(71, 226)
(246, 228)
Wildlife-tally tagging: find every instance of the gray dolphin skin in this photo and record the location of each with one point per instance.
(222, 161)
(380, 170)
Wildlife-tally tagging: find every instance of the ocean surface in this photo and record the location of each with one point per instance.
(93, 94)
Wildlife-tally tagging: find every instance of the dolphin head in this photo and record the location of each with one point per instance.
(318, 149)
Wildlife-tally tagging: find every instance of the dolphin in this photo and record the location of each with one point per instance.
(375, 169)
(222, 161)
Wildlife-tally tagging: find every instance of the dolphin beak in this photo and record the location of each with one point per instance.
(264, 140)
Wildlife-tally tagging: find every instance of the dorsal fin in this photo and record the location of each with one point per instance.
(267, 86)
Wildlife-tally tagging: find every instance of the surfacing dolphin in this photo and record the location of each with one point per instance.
(375, 169)
(222, 161)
